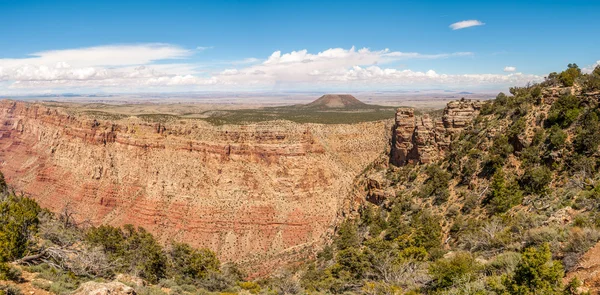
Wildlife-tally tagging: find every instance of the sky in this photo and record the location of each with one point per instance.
(178, 46)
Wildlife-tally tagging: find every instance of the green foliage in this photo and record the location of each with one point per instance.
(110, 238)
(535, 180)
(587, 138)
(564, 111)
(353, 261)
(397, 224)
(436, 184)
(517, 128)
(567, 77)
(187, 264)
(556, 138)
(137, 249)
(593, 80)
(143, 254)
(468, 170)
(10, 290)
(537, 273)
(9, 273)
(504, 194)
(461, 266)
(3, 185)
(61, 282)
(251, 287)
(373, 219)
(18, 223)
(501, 147)
(426, 230)
(347, 236)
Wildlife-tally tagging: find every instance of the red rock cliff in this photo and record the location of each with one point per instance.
(422, 139)
(260, 195)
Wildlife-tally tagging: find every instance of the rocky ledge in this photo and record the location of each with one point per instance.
(423, 139)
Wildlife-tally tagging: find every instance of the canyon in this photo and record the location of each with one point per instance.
(261, 195)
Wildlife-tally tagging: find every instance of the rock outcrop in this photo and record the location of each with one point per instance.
(261, 195)
(423, 139)
(96, 288)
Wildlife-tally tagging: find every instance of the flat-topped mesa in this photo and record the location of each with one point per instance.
(422, 139)
(336, 101)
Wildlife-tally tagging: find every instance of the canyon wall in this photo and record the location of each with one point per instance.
(423, 139)
(260, 195)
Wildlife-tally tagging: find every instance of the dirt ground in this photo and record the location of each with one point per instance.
(588, 270)
(25, 284)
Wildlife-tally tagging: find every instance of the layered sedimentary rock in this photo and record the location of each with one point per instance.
(261, 195)
(423, 139)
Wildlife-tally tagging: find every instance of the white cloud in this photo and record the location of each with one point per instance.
(586, 70)
(202, 48)
(112, 55)
(510, 69)
(466, 24)
(135, 68)
(249, 60)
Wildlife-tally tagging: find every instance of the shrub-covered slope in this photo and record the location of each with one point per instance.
(510, 209)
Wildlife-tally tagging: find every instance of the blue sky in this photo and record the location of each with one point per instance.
(224, 45)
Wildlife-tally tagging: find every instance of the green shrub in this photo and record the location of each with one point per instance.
(501, 147)
(396, 223)
(347, 236)
(537, 273)
(41, 284)
(504, 263)
(587, 138)
(251, 287)
(18, 223)
(436, 184)
(593, 80)
(427, 231)
(353, 261)
(187, 264)
(3, 184)
(373, 219)
(63, 288)
(10, 290)
(445, 272)
(136, 249)
(9, 273)
(556, 138)
(536, 179)
(564, 111)
(110, 238)
(503, 194)
(216, 282)
(567, 77)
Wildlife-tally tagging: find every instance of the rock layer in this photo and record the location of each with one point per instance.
(423, 139)
(261, 195)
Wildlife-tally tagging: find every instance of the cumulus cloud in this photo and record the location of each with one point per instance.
(164, 66)
(586, 70)
(466, 24)
(510, 69)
